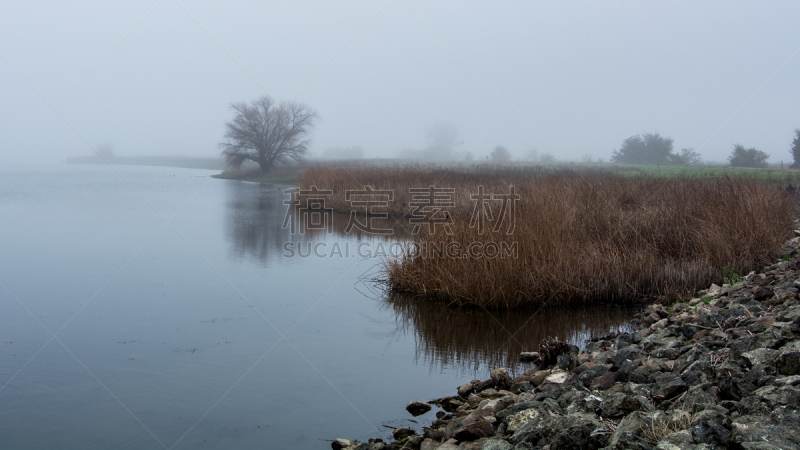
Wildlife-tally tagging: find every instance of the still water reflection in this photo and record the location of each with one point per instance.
(469, 339)
(466, 340)
(180, 323)
(259, 224)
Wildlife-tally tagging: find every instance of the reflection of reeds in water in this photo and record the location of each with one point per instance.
(258, 226)
(343, 225)
(473, 339)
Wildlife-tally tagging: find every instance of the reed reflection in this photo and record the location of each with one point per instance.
(473, 340)
(259, 222)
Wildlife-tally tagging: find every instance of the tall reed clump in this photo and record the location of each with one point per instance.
(577, 237)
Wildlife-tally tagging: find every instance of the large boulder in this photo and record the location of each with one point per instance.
(417, 408)
(501, 378)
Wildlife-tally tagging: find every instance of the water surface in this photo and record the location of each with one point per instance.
(148, 307)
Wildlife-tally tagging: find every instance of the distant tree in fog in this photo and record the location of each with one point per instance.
(796, 149)
(442, 138)
(532, 154)
(267, 133)
(688, 157)
(547, 158)
(500, 154)
(747, 157)
(649, 148)
(105, 151)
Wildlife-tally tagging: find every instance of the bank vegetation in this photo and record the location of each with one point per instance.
(571, 236)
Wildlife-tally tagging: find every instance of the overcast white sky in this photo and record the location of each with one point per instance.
(569, 78)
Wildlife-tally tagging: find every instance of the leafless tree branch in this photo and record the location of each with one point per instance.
(267, 133)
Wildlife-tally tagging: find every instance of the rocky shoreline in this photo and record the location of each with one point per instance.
(720, 371)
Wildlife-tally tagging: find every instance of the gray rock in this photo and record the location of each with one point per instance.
(761, 293)
(743, 345)
(793, 380)
(646, 372)
(519, 419)
(412, 443)
(604, 382)
(630, 352)
(433, 434)
(774, 396)
(450, 404)
(402, 433)
(756, 436)
(570, 432)
(620, 404)
(670, 389)
(576, 432)
(496, 444)
(565, 362)
(448, 446)
(734, 388)
(625, 370)
(467, 388)
(483, 385)
(710, 432)
(451, 427)
(339, 444)
(417, 408)
(501, 378)
(679, 440)
(494, 406)
(478, 429)
(430, 444)
(696, 400)
(525, 386)
(788, 363)
(589, 374)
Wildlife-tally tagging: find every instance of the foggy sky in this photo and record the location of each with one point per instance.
(568, 78)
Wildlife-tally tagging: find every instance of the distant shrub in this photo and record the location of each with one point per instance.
(747, 157)
(688, 157)
(500, 154)
(649, 148)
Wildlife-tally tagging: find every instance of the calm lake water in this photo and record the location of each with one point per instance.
(150, 307)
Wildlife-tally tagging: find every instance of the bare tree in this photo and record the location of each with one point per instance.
(267, 133)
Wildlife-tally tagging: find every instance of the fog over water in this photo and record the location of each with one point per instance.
(570, 79)
(160, 310)
(148, 307)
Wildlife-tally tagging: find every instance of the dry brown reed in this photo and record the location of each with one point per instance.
(580, 237)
